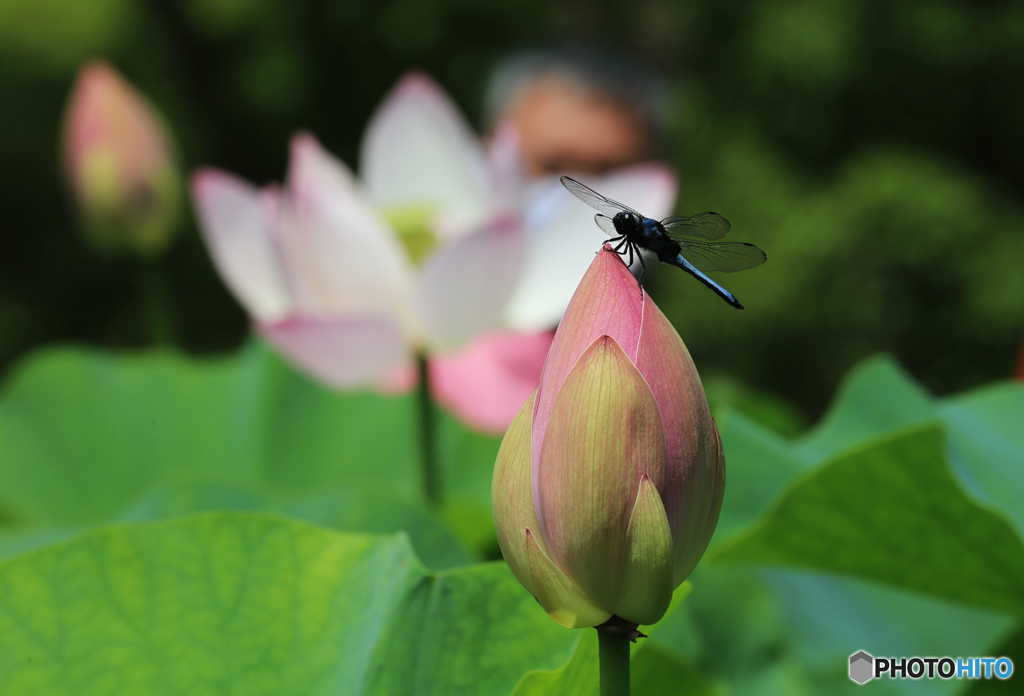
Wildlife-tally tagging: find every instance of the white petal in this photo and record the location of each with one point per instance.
(562, 238)
(236, 221)
(419, 150)
(465, 285)
(507, 172)
(341, 256)
(343, 353)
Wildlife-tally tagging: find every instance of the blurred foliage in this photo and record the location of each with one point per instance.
(873, 149)
(895, 525)
(88, 437)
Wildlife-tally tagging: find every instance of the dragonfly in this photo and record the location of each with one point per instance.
(671, 240)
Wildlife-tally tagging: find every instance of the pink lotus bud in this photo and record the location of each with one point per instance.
(119, 164)
(609, 482)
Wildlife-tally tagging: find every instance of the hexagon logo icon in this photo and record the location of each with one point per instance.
(861, 667)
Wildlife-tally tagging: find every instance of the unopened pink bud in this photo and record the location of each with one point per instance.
(119, 164)
(609, 482)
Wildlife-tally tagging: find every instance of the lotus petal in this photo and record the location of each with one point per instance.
(604, 435)
(690, 433)
(464, 286)
(418, 150)
(342, 353)
(236, 222)
(342, 257)
(485, 383)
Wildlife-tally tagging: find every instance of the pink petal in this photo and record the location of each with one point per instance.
(465, 285)
(486, 383)
(419, 150)
(236, 221)
(608, 302)
(341, 353)
(690, 433)
(562, 237)
(342, 257)
(399, 380)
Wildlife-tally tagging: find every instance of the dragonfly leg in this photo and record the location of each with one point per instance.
(643, 266)
(630, 246)
(619, 246)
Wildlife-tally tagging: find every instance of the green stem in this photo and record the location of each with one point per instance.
(428, 425)
(613, 654)
(156, 302)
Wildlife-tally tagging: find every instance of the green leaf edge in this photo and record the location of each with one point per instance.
(726, 551)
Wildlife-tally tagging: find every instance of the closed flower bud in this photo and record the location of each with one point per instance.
(608, 484)
(119, 164)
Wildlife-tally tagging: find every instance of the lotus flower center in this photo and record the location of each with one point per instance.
(412, 225)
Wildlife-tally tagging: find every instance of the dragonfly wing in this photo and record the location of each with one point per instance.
(606, 224)
(728, 257)
(703, 225)
(606, 206)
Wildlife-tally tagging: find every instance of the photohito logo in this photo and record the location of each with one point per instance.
(864, 667)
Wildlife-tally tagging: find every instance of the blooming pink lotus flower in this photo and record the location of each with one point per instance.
(609, 481)
(119, 162)
(349, 279)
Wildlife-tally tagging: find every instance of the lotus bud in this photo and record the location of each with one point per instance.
(608, 484)
(119, 164)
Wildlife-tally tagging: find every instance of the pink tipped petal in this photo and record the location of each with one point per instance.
(341, 255)
(310, 164)
(690, 433)
(485, 383)
(464, 286)
(418, 150)
(607, 302)
(236, 222)
(562, 236)
(603, 437)
(342, 353)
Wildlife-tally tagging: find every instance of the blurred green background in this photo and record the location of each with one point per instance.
(873, 149)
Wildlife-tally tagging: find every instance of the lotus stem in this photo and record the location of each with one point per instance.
(613, 655)
(428, 441)
(156, 302)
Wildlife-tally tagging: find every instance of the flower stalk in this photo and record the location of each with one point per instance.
(613, 658)
(155, 296)
(428, 428)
